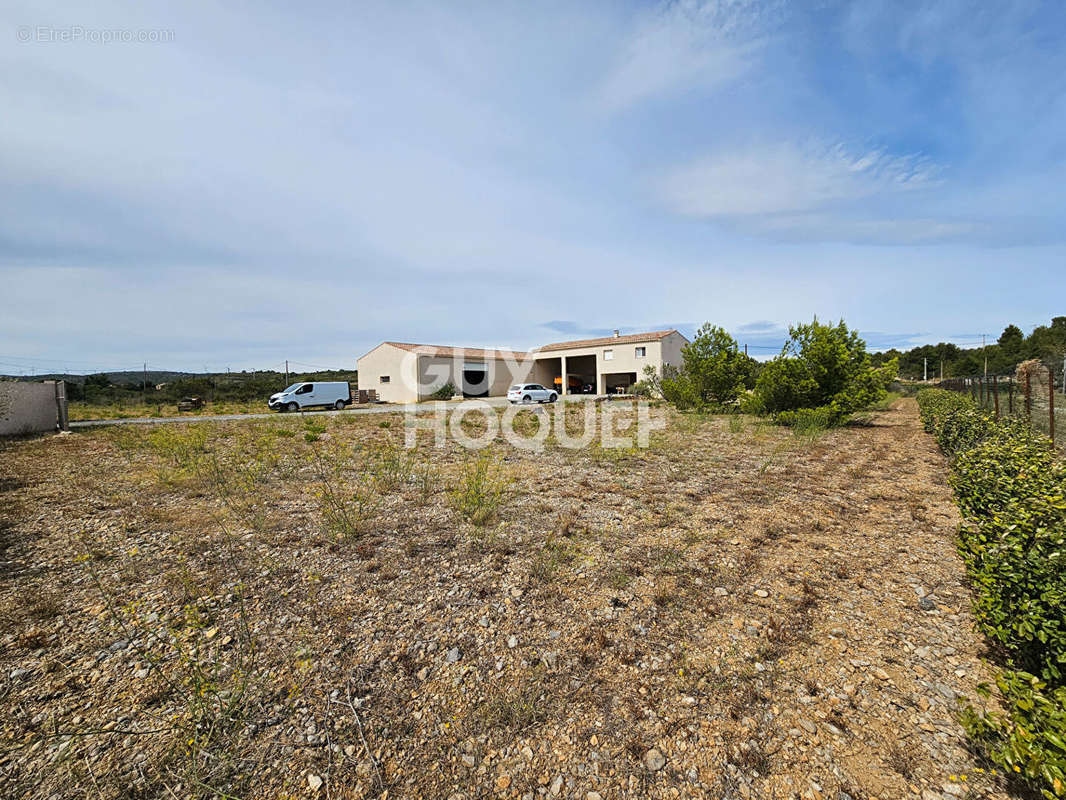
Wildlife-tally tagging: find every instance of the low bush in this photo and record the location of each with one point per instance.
(1011, 489)
(808, 420)
(481, 490)
(446, 392)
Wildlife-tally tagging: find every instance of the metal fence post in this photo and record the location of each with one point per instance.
(1051, 403)
(1010, 396)
(995, 393)
(1028, 398)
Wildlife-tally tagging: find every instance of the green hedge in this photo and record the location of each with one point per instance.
(1012, 492)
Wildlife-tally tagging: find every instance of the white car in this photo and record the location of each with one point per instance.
(326, 394)
(529, 393)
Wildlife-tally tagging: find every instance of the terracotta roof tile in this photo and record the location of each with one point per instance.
(451, 352)
(443, 351)
(629, 338)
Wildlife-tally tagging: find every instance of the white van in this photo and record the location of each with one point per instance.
(335, 394)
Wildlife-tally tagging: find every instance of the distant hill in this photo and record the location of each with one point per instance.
(129, 377)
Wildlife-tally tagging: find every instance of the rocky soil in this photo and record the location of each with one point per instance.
(735, 612)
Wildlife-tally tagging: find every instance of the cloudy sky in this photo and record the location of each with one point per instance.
(263, 181)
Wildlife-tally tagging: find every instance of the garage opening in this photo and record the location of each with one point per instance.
(619, 382)
(582, 373)
(475, 380)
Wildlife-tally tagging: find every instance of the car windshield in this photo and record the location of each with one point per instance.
(292, 388)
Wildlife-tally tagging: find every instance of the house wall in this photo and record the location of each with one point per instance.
(401, 367)
(671, 350)
(28, 407)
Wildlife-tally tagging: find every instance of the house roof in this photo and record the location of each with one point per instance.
(444, 351)
(451, 352)
(629, 338)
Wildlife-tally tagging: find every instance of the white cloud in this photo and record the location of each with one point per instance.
(683, 45)
(786, 177)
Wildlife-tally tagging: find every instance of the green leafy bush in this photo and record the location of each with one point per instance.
(715, 366)
(1028, 741)
(481, 491)
(821, 367)
(1011, 489)
(446, 392)
(808, 420)
(712, 376)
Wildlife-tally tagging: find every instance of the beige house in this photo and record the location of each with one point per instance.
(406, 373)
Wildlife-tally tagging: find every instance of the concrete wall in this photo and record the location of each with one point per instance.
(27, 407)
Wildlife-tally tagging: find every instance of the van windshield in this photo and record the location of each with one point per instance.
(292, 388)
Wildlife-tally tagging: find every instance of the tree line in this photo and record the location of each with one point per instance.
(104, 389)
(1046, 343)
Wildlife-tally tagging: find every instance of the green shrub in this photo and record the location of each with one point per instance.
(481, 490)
(446, 392)
(713, 374)
(808, 420)
(1029, 740)
(679, 389)
(715, 366)
(822, 366)
(1012, 491)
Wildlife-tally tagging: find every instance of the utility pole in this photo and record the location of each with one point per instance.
(941, 370)
(286, 372)
(746, 352)
(925, 370)
(144, 384)
(985, 351)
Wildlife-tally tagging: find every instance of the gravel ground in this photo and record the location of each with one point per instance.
(735, 612)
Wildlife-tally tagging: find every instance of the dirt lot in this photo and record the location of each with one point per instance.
(83, 411)
(292, 608)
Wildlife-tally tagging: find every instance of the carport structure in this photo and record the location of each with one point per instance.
(567, 374)
(608, 363)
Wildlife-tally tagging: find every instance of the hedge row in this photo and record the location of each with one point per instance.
(1012, 492)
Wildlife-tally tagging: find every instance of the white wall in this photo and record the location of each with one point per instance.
(401, 368)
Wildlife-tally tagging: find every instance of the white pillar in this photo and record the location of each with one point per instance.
(562, 368)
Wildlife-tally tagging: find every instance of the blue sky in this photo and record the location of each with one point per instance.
(303, 181)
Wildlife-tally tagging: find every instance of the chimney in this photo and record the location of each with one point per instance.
(616, 333)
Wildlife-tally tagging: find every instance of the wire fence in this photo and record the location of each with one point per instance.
(1033, 393)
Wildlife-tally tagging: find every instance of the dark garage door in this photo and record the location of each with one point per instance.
(475, 382)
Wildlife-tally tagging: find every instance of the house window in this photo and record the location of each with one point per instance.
(640, 352)
(608, 355)
(384, 378)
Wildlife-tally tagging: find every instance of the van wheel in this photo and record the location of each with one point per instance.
(339, 405)
(292, 407)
